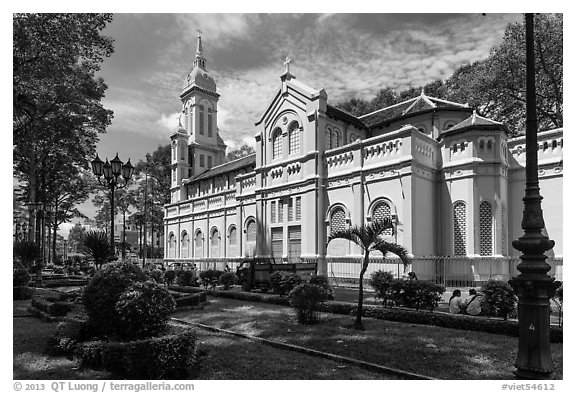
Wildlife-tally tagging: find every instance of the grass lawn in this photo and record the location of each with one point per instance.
(31, 360)
(221, 357)
(432, 351)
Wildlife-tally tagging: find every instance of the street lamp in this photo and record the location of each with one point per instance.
(533, 286)
(111, 172)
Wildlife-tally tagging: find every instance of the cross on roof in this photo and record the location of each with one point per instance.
(199, 32)
(287, 64)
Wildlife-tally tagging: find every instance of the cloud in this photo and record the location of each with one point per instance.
(170, 122)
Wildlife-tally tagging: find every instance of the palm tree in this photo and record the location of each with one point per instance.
(97, 246)
(369, 238)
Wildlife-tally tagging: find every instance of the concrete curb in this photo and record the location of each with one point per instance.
(313, 352)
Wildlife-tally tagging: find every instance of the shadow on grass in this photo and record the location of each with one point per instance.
(429, 350)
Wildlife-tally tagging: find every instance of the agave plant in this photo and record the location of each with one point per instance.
(97, 246)
(369, 238)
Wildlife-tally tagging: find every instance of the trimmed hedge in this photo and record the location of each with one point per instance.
(170, 356)
(188, 301)
(202, 292)
(54, 308)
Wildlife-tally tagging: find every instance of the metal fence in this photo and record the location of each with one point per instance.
(448, 271)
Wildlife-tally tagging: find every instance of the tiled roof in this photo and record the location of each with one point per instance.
(475, 121)
(249, 160)
(340, 114)
(412, 106)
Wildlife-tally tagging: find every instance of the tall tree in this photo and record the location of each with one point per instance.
(239, 152)
(56, 95)
(76, 237)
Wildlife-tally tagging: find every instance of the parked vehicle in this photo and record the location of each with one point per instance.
(181, 266)
(256, 273)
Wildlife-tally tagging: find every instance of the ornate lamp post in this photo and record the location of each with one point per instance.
(112, 171)
(533, 286)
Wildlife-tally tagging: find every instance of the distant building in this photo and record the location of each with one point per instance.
(451, 180)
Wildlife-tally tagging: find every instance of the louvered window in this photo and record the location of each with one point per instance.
(273, 211)
(201, 119)
(503, 231)
(290, 209)
(280, 211)
(277, 242)
(294, 242)
(460, 228)
(251, 231)
(210, 121)
(171, 246)
(298, 208)
(485, 229)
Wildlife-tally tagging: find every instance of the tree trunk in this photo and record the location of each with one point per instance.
(358, 322)
(55, 232)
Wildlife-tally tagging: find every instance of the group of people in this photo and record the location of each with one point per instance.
(470, 305)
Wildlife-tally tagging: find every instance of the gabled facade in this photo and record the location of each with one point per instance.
(444, 174)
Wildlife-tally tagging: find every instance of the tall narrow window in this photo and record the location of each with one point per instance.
(250, 238)
(171, 246)
(280, 211)
(199, 245)
(277, 242)
(201, 160)
(233, 242)
(294, 138)
(328, 138)
(185, 245)
(459, 228)
(335, 142)
(290, 209)
(201, 118)
(215, 243)
(486, 238)
(209, 162)
(210, 121)
(294, 242)
(273, 211)
(298, 208)
(277, 144)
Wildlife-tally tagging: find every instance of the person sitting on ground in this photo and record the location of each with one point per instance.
(472, 303)
(455, 302)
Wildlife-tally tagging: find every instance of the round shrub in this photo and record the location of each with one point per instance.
(21, 277)
(169, 276)
(305, 298)
(186, 278)
(144, 309)
(421, 295)
(499, 299)
(283, 282)
(103, 291)
(323, 282)
(381, 282)
(227, 279)
(210, 277)
(156, 275)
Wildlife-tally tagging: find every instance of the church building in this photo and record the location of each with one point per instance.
(451, 180)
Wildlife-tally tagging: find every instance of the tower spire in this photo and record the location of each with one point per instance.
(199, 61)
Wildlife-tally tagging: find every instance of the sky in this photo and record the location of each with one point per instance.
(348, 55)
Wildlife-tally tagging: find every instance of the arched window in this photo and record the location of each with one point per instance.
(328, 138)
(199, 245)
(294, 138)
(210, 121)
(336, 139)
(459, 228)
(382, 211)
(185, 244)
(232, 241)
(182, 151)
(215, 243)
(250, 238)
(277, 143)
(171, 245)
(489, 145)
(337, 222)
(481, 145)
(201, 118)
(486, 238)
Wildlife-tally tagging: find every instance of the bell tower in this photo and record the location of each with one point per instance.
(200, 113)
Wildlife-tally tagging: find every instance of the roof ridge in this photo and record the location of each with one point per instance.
(388, 107)
(449, 102)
